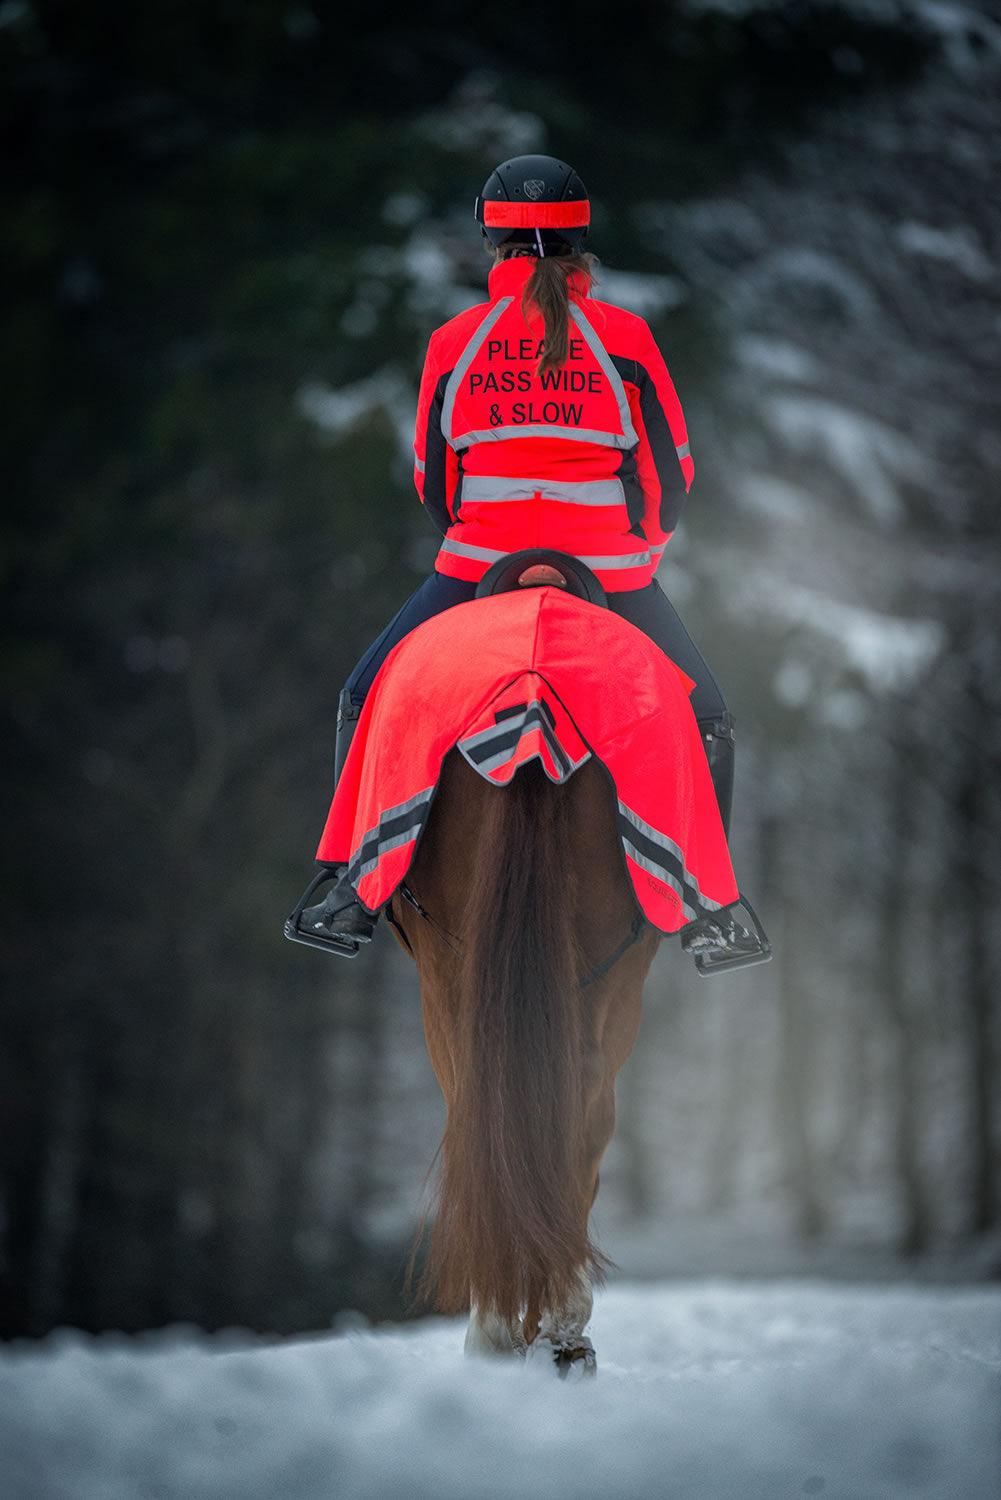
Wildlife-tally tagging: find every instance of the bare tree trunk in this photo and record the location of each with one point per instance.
(299, 1260)
(637, 1169)
(892, 983)
(57, 1180)
(726, 1143)
(975, 899)
(793, 1093)
(27, 1126)
(363, 1119)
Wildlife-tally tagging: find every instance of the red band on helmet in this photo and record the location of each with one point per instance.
(501, 214)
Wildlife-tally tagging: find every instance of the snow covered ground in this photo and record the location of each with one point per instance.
(710, 1389)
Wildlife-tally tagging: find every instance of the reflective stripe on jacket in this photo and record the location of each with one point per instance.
(592, 458)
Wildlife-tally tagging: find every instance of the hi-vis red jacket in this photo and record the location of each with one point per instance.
(592, 459)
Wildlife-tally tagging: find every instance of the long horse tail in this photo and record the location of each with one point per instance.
(512, 1207)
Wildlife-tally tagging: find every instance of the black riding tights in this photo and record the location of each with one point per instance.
(648, 609)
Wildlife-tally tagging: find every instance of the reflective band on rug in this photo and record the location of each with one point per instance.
(496, 745)
(397, 825)
(662, 857)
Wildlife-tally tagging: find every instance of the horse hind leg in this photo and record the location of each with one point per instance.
(561, 1340)
(616, 1015)
(558, 1338)
(489, 1334)
(559, 1332)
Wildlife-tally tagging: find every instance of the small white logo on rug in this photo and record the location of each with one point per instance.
(534, 189)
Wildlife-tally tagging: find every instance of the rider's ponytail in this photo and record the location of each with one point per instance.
(547, 292)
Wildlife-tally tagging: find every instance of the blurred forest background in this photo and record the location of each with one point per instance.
(227, 231)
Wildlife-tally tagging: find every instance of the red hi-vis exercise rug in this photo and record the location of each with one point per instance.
(535, 672)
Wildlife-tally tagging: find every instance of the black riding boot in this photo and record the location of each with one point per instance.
(339, 921)
(347, 723)
(718, 743)
(718, 942)
(339, 917)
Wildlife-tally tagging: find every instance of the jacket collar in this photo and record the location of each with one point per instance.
(508, 278)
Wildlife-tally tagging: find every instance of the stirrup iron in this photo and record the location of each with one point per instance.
(717, 943)
(327, 942)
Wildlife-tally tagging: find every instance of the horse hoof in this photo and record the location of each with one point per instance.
(578, 1362)
(572, 1359)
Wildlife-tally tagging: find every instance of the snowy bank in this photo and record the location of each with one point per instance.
(713, 1389)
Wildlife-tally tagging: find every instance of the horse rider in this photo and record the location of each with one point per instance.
(546, 418)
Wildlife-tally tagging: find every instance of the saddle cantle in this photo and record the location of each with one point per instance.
(537, 567)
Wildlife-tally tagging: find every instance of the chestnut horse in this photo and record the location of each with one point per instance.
(532, 963)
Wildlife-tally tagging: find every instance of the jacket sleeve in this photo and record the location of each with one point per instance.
(436, 467)
(663, 459)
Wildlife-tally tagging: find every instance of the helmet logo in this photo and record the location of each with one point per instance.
(534, 188)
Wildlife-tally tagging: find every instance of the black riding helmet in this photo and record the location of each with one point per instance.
(535, 201)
